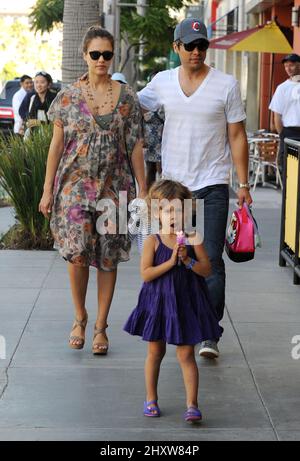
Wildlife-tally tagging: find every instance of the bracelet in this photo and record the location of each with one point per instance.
(244, 186)
(191, 264)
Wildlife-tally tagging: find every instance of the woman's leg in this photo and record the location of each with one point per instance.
(156, 352)
(151, 173)
(158, 168)
(79, 277)
(187, 361)
(106, 286)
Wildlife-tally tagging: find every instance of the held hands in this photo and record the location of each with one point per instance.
(179, 251)
(46, 203)
(174, 257)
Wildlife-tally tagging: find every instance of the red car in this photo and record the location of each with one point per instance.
(6, 110)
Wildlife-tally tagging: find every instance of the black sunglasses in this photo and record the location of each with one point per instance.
(201, 45)
(96, 55)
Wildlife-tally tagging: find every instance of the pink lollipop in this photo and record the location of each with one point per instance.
(180, 238)
(181, 241)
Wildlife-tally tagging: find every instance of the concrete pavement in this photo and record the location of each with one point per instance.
(49, 392)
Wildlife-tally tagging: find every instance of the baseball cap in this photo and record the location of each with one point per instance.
(291, 57)
(190, 29)
(119, 77)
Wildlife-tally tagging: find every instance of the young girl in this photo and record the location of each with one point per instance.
(173, 305)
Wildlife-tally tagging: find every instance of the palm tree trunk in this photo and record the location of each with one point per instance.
(78, 16)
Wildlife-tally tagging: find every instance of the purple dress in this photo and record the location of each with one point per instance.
(175, 307)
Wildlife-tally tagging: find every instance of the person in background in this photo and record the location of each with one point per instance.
(153, 131)
(119, 77)
(285, 104)
(35, 105)
(26, 84)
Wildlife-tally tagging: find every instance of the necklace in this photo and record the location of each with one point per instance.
(97, 109)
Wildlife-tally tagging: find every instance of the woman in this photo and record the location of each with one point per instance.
(35, 106)
(153, 132)
(97, 139)
(153, 126)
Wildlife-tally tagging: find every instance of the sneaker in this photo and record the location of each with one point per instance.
(209, 349)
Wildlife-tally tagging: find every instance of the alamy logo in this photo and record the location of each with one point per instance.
(296, 349)
(2, 348)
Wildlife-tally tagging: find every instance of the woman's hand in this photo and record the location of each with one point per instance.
(182, 253)
(46, 203)
(174, 256)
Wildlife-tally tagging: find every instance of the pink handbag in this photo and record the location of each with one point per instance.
(241, 238)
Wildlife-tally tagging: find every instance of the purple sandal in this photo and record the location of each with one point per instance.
(153, 411)
(193, 414)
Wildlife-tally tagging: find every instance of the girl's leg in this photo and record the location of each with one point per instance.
(187, 361)
(79, 277)
(156, 352)
(106, 282)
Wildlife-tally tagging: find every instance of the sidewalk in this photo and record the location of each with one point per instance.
(49, 392)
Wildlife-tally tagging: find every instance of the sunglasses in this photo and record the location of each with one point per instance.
(201, 45)
(45, 75)
(96, 55)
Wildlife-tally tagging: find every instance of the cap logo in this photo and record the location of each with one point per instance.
(196, 26)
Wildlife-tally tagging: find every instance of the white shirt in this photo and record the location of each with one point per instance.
(16, 102)
(286, 102)
(195, 149)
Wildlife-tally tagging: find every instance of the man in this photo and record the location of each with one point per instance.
(26, 84)
(204, 122)
(285, 104)
(119, 77)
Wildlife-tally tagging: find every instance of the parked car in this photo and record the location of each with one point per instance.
(6, 110)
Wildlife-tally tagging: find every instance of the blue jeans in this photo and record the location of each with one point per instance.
(216, 207)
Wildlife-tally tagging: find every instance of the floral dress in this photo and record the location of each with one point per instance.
(95, 165)
(153, 128)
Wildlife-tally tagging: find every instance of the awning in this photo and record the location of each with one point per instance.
(267, 38)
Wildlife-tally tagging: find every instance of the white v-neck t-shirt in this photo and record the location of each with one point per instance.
(195, 148)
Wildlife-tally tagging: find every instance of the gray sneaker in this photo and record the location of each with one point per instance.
(209, 349)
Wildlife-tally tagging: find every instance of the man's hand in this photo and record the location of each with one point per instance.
(244, 196)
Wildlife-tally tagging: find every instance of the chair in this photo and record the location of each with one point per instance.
(267, 153)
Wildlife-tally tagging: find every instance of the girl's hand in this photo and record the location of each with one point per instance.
(46, 203)
(182, 253)
(174, 256)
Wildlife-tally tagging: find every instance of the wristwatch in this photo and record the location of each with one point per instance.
(244, 185)
(191, 264)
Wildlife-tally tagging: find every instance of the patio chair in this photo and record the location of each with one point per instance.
(266, 156)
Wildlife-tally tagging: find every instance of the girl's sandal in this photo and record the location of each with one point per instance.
(151, 409)
(100, 348)
(78, 339)
(193, 415)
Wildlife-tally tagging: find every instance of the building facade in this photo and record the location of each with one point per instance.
(259, 73)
